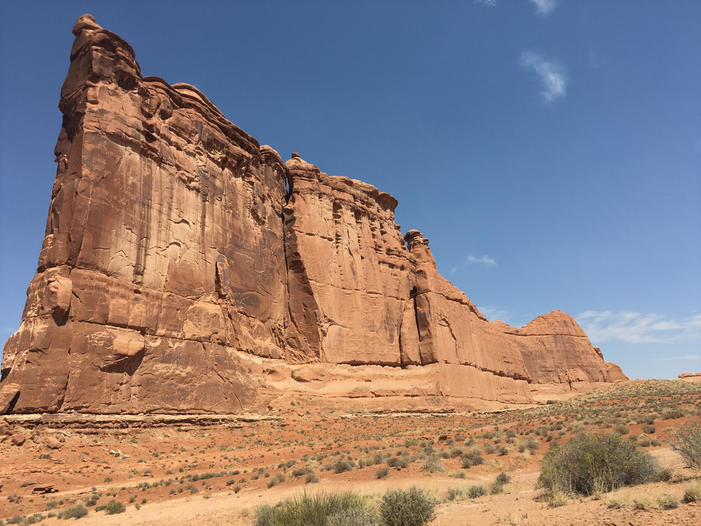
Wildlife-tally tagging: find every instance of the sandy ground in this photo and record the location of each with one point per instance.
(212, 472)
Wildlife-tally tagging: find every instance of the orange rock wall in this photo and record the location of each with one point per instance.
(180, 255)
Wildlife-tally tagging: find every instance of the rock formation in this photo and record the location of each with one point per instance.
(186, 268)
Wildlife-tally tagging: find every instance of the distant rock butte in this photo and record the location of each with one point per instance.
(186, 268)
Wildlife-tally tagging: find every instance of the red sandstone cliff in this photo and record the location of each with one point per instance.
(182, 263)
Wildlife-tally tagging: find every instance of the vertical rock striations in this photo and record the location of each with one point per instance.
(180, 257)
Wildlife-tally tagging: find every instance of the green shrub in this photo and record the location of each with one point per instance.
(397, 462)
(472, 458)
(306, 510)
(113, 507)
(495, 488)
(455, 494)
(667, 502)
(592, 463)
(476, 491)
(616, 502)
(621, 429)
(381, 472)
(643, 504)
(342, 466)
(670, 414)
(503, 478)
(687, 442)
(311, 478)
(411, 507)
(76, 512)
(692, 493)
(432, 464)
(351, 517)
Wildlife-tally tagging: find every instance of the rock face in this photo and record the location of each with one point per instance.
(186, 268)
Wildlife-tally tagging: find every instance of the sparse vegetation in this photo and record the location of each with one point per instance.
(692, 493)
(75, 512)
(411, 507)
(307, 510)
(113, 507)
(687, 442)
(591, 463)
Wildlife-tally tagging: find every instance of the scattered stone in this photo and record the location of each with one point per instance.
(53, 442)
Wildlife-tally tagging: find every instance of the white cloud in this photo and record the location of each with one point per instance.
(544, 7)
(487, 3)
(495, 313)
(485, 260)
(683, 358)
(636, 327)
(551, 75)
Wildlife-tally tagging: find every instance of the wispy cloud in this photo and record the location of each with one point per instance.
(683, 358)
(544, 7)
(637, 327)
(550, 74)
(487, 3)
(470, 259)
(495, 313)
(485, 260)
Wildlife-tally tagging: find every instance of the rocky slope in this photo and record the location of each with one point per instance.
(186, 268)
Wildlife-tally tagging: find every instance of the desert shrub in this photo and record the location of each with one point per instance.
(621, 429)
(616, 502)
(557, 499)
(411, 507)
(342, 466)
(311, 478)
(351, 517)
(667, 502)
(532, 445)
(692, 493)
(306, 510)
(455, 494)
(670, 414)
(648, 429)
(643, 503)
(398, 462)
(113, 507)
(277, 479)
(76, 512)
(687, 442)
(471, 458)
(381, 472)
(495, 488)
(592, 463)
(503, 478)
(432, 464)
(476, 491)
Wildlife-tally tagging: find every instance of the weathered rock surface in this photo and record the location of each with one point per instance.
(690, 377)
(185, 268)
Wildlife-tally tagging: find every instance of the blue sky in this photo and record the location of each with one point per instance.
(550, 149)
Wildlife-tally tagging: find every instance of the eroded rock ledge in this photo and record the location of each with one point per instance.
(183, 262)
